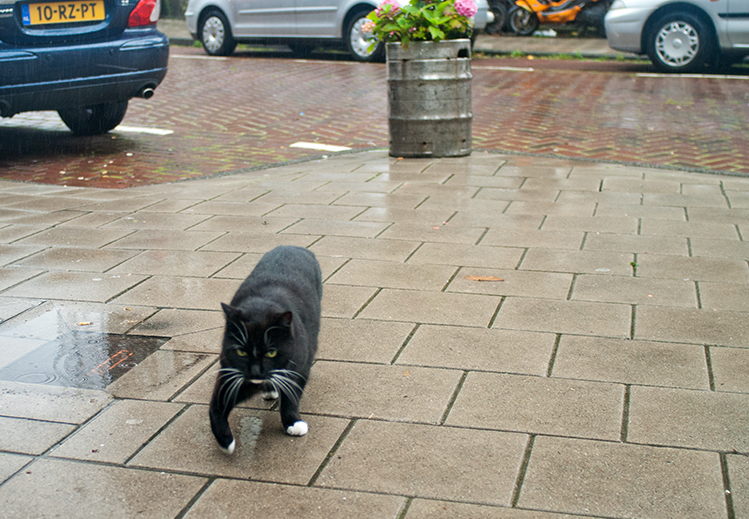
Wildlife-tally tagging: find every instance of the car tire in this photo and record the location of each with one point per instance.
(357, 42)
(94, 120)
(215, 34)
(680, 42)
(522, 22)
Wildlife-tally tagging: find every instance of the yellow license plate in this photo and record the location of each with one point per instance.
(63, 12)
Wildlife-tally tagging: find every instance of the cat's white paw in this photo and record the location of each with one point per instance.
(299, 428)
(270, 395)
(231, 447)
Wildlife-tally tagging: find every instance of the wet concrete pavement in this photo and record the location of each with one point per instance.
(600, 370)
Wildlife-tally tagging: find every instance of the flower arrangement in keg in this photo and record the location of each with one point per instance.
(421, 20)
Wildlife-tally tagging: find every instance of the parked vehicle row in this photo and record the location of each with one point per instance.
(83, 58)
(220, 24)
(523, 17)
(681, 35)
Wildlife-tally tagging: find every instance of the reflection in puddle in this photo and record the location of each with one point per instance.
(82, 359)
(49, 350)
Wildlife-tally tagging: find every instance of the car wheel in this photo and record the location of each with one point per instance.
(358, 41)
(679, 43)
(523, 22)
(94, 120)
(215, 34)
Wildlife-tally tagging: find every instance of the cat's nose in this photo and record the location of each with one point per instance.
(255, 371)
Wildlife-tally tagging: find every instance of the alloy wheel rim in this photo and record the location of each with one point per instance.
(213, 34)
(361, 40)
(677, 44)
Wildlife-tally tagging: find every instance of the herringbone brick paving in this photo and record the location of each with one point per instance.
(244, 112)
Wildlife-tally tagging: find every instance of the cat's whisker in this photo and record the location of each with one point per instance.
(230, 398)
(287, 386)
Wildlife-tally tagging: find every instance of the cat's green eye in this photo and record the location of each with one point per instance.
(271, 353)
(241, 353)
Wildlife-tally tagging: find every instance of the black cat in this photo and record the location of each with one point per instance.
(270, 339)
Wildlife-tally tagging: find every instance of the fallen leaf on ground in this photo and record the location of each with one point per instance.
(484, 278)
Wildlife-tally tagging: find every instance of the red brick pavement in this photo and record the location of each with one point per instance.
(244, 112)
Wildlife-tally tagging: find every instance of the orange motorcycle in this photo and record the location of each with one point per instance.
(527, 15)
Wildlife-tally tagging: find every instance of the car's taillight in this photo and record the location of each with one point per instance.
(145, 13)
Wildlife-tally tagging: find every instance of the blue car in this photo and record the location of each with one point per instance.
(83, 58)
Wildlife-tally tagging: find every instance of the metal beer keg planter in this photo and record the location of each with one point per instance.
(429, 98)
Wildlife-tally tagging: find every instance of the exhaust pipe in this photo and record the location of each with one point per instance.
(146, 93)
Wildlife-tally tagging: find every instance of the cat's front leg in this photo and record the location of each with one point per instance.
(219, 415)
(290, 418)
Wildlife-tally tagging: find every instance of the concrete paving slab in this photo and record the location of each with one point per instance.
(464, 348)
(389, 274)
(432, 509)
(738, 472)
(683, 418)
(51, 403)
(361, 340)
(431, 307)
(567, 317)
(632, 362)
(467, 255)
(404, 394)
(271, 500)
(693, 268)
(578, 262)
(74, 489)
(729, 367)
(24, 436)
(11, 463)
(263, 452)
(118, 432)
(75, 259)
(435, 462)
(640, 291)
(539, 405)
(693, 326)
(619, 480)
(161, 376)
(180, 292)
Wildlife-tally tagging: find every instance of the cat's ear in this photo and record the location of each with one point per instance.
(286, 319)
(230, 311)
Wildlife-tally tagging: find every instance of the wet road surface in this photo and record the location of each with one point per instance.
(219, 115)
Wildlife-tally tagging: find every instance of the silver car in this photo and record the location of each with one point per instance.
(301, 24)
(681, 35)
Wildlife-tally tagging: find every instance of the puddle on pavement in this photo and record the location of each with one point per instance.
(82, 359)
(70, 357)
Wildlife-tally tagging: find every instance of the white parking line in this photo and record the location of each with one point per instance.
(184, 56)
(693, 76)
(511, 69)
(139, 129)
(318, 146)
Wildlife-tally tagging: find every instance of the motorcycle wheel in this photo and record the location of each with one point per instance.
(523, 22)
(500, 18)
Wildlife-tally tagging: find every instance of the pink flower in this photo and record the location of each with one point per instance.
(466, 8)
(394, 8)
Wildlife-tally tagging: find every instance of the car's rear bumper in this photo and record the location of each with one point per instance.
(55, 77)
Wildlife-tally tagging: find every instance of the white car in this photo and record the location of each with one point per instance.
(301, 24)
(680, 35)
